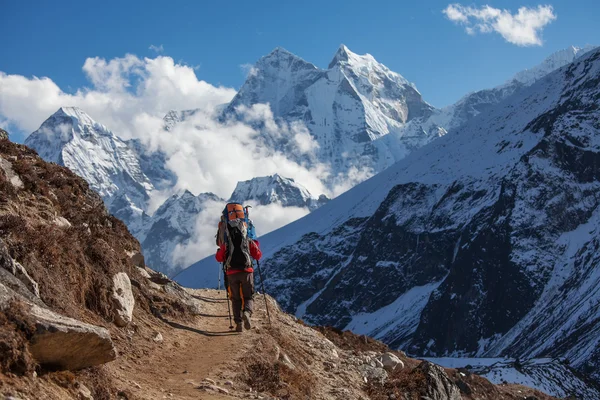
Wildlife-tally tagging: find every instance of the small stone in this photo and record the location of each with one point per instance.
(334, 353)
(328, 365)
(214, 388)
(143, 272)
(229, 383)
(137, 385)
(84, 393)
(158, 338)
(210, 381)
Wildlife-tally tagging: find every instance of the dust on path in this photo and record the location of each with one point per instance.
(189, 353)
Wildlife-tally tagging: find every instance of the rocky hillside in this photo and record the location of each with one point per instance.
(73, 285)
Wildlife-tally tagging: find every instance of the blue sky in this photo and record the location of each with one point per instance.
(415, 39)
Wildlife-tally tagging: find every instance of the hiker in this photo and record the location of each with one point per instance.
(236, 252)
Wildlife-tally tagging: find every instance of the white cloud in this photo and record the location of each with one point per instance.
(249, 70)
(131, 95)
(123, 90)
(158, 49)
(523, 28)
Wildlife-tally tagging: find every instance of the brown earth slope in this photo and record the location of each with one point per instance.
(177, 344)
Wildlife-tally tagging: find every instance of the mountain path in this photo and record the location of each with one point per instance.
(189, 353)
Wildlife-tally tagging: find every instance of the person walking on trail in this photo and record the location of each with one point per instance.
(235, 253)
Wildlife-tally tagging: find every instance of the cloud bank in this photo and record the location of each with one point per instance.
(523, 28)
(131, 95)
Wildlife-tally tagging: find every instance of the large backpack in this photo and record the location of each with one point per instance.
(235, 230)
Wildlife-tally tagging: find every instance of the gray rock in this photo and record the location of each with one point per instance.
(373, 373)
(67, 343)
(158, 337)
(439, 385)
(390, 361)
(144, 273)
(3, 134)
(59, 341)
(214, 388)
(18, 271)
(62, 222)
(123, 300)
(12, 177)
(11, 281)
(84, 393)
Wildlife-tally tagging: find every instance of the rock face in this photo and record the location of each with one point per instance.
(123, 300)
(439, 386)
(59, 341)
(346, 108)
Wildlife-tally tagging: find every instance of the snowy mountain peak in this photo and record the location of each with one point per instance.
(551, 63)
(70, 137)
(345, 56)
(281, 58)
(274, 189)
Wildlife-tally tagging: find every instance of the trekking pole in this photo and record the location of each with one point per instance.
(227, 291)
(262, 283)
(219, 287)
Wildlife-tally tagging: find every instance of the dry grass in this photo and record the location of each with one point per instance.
(14, 353)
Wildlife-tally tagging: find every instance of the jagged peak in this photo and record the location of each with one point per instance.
(345, 55)
(278, 54)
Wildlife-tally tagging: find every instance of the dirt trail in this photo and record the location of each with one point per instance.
(189, 353)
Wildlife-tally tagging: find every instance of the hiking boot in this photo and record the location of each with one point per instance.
(238, 327)
(246, 318)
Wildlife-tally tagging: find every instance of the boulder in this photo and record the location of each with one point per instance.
(123, 300)
(3, 134)
(439, 386)
(59, 341)
(390, 361)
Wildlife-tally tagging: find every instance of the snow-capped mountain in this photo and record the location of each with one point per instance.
(123, 172)
(73, 139)
(346, 108)
(482, 243)
(472, 104)
(173, 225)
(276, 189)
(552, 376)
(174, 117)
